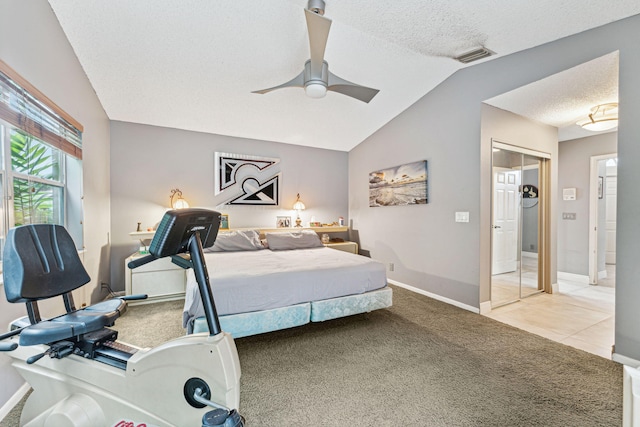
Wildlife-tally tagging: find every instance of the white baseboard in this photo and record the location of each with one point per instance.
(13, 401)
(627, 361)
(530, 254)
(630, 397)
(435, 296)
(580, 278)
(485, 307)
(573, 277)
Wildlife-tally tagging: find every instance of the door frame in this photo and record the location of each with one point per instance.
(544, 217)
(593, 215)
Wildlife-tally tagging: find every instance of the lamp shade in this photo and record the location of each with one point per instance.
(180, 203)
(602, 117)
(298, 205)
(176, 201)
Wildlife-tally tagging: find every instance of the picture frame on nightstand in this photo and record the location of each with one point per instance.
(224, 222)
(283, 221)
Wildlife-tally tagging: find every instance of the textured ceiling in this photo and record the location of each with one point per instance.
(564, 98)
(192, 64)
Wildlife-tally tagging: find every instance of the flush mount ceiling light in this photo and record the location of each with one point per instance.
(602, 117)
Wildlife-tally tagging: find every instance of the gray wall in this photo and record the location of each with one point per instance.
(43, 56)
(429, 249)
(575, 164)
(148, 161)
(452, 259)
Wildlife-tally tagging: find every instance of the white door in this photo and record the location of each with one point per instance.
(611, 188)
(506, 202)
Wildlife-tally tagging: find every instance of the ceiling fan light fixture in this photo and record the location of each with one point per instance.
(315, 78)
(315, 89)
(602, 117)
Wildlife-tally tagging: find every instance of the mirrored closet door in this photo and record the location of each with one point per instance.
(516, 224)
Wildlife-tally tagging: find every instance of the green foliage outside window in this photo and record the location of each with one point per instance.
(35, 201)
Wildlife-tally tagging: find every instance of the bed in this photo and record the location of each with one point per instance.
(292, 281)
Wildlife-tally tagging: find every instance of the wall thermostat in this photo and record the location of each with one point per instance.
(568, 194)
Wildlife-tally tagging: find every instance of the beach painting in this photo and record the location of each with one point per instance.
(399, 186)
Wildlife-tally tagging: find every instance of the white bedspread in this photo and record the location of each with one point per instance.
(260, 280)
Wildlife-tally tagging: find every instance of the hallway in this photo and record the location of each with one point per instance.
(580, 315)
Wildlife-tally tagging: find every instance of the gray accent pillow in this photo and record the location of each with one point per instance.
(236, 240)
(302, 239)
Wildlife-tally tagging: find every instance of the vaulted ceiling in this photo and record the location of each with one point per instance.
(193, 64)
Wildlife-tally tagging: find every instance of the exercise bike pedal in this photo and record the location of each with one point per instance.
(222, 418)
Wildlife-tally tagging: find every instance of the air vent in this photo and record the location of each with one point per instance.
(474, 55)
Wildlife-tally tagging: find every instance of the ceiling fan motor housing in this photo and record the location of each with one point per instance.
(316, 6)
(322, 79)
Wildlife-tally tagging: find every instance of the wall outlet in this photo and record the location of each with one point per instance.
(391, 266)
(568, 215)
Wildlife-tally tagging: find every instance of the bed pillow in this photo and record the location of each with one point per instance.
(302, 239)
(236, 240)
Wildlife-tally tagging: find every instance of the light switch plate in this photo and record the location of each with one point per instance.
(462, 216)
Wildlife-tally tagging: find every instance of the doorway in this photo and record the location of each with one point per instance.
(519, 218)
(602, 219)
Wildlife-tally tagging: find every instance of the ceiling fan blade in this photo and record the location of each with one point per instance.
(297, 81)
(318, 27)
(361, 93)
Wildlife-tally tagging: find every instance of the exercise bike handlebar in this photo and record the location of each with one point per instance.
(8, 346)
(141, 261)
(181, 232)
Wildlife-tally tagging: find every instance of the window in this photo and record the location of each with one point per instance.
(40, 160)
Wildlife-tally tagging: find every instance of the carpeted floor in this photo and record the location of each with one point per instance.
(419, 363)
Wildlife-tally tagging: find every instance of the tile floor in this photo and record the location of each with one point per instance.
(580, 315)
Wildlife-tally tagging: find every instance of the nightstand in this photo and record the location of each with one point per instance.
(161, 279)
(344, 246)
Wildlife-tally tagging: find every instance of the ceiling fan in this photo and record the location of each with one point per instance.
(316, 79)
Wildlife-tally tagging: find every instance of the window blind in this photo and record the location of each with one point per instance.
(28, 109)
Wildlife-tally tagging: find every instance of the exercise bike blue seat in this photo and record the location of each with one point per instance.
(40, 262)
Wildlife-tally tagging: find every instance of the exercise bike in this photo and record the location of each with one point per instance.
(90, 379)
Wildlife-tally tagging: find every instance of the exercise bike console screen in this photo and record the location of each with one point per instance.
(177, 226)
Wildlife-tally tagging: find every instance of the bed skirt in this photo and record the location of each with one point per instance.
(246, 324)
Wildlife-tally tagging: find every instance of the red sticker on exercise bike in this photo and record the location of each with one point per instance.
(127, 423)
